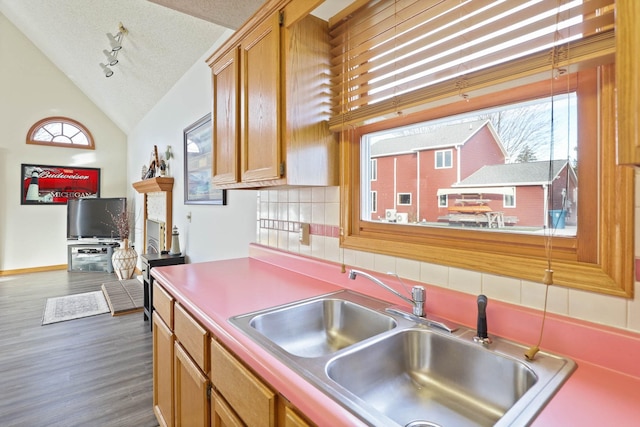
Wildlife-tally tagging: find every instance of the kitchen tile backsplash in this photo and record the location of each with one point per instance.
(281, 211)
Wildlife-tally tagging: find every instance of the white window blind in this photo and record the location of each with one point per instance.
(389, 55)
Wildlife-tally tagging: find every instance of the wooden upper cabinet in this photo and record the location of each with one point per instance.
(279, 133)
(261, 155)
(628, 90)
(226, 118)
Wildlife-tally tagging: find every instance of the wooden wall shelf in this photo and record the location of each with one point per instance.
(162, 184)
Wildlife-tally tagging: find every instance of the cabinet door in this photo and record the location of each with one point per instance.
(191, 401)
(223, 415)
(162, 371)
(292, 419)
(250, 398)
(261, 153)
(226, 118)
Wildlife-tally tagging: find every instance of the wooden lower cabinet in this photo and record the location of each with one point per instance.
(184, 353)
(163, 340)
(293, 419)
(222, 415)
(191, 389)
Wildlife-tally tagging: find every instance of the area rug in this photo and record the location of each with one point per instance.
(124, 296)
(76, 306)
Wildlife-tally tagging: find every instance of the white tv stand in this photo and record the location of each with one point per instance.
(90, 256)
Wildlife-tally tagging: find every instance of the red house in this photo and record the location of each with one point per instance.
(456, 174)
(408, 171)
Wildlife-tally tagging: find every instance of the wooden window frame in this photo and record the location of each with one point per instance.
(64, 120)
(598, 259)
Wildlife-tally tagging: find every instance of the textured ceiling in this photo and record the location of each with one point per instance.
(161, 46)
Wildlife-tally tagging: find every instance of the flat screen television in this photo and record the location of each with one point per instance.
(91, 218)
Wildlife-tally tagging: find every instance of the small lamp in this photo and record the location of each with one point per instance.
(175, 242)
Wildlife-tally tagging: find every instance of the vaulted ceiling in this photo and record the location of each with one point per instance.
(165, 38)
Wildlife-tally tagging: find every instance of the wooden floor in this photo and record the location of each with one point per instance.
(94, 371)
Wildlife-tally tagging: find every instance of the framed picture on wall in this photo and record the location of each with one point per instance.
(54, 185)
(198, 161)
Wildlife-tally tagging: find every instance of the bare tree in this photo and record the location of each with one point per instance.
(523, 130)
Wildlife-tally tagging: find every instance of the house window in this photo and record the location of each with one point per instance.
(444, 159)
(443, 201)
(374, 169)
(374, 201)
(60, 132)
(509, 200)
(404, 199)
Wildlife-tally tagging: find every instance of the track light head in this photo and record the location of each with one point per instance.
(112, 57)
(108, 72)
(115, 41)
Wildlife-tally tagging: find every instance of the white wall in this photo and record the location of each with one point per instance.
(32, 88)
(215, 232)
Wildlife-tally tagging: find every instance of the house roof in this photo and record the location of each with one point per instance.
(530, 173)
(438, 137)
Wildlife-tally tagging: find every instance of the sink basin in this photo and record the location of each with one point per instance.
(318, 327)
(417, 375)
(392, 369)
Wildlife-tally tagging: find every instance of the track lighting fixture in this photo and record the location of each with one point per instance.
(115, 43)
(112, 57)
(108, 72)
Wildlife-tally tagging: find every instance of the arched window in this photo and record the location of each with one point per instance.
(60, 132)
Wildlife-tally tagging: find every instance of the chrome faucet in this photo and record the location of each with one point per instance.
(417, 292)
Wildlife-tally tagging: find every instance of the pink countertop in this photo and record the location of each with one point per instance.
(604, 389)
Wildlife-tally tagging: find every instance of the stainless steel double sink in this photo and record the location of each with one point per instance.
(395, 370)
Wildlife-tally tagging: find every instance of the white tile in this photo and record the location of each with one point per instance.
(263, 236)
(283, 211)
(317, 194)
(293, 242)
(293, 211)
(532, 294)
(317, 246)
(434, 274)
(558, 300)
(332, 214)
(408, 268)
(633, 306)
(364, 260)
(273, 238)
(317, 213)
(384, 263)
(294, 195)
(264, 195)
(465, 281)
(273, 210)
(501, 288)
(305, 212)
(332, 249)
(304, 194)
(349, 257)
(332, 194)
(283, 196)
(263, 208)
(603, 309)
(283, 240)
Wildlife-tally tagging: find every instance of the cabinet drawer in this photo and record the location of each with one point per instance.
(254, 402)
(163, 304)
(192, 336)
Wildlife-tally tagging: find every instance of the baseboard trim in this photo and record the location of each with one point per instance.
(33, 270)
